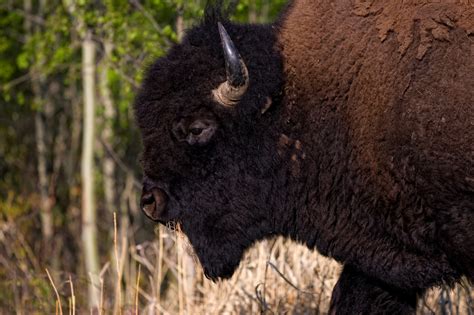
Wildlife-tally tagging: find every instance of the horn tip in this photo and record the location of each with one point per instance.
(222, 31)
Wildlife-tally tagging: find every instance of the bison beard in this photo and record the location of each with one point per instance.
(218, 234)
(345, 125)
(218, 250)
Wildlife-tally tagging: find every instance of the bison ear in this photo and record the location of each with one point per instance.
(231, 91)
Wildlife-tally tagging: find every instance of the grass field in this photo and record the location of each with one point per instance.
(276, 276)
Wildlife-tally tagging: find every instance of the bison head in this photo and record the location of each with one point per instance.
(210, 157)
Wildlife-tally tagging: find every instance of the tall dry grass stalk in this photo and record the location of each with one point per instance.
(118, 287)
(58, 299)
(72, 299)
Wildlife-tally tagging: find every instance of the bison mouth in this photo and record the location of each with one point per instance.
(218, 258)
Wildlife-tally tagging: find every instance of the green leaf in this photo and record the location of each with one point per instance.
(22, 60)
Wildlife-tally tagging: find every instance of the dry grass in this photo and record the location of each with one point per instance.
(161, 277)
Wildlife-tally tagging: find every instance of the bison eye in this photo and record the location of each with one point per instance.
(198, 132)
(201, 131)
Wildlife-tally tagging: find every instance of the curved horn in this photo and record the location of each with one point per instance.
(230, 92)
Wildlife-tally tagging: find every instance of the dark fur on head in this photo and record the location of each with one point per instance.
(203, 187)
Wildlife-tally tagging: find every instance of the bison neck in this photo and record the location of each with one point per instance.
(336, 196)
(353, 168)
(326, 171)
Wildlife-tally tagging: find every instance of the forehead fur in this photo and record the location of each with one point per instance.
(186, 74)
(182, 81)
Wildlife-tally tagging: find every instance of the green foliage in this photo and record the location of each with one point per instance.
(10, 45)
(254, 11)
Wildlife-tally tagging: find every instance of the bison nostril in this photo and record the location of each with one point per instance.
(153, 203)
(148, 199)
(148, 204)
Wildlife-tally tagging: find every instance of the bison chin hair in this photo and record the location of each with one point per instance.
(219, 264)
(219, 252)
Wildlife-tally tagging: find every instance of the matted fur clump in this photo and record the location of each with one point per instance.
(355, 136)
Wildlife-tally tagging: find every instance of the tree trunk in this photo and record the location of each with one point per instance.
(73, 151)
(108, 164)
(89, 229)
(180, 23)
(45, 203)
(265, 12)
(253, 12)
(41, 141)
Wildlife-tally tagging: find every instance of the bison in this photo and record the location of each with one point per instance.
(345, 125)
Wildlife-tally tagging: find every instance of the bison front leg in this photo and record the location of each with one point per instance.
(356, 293)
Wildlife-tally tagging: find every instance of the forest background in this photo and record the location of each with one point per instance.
(72, 239)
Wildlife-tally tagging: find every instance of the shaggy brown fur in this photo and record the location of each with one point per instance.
(366, 152)
(393, 84)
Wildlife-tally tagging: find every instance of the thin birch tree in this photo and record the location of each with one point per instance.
(89, 226)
